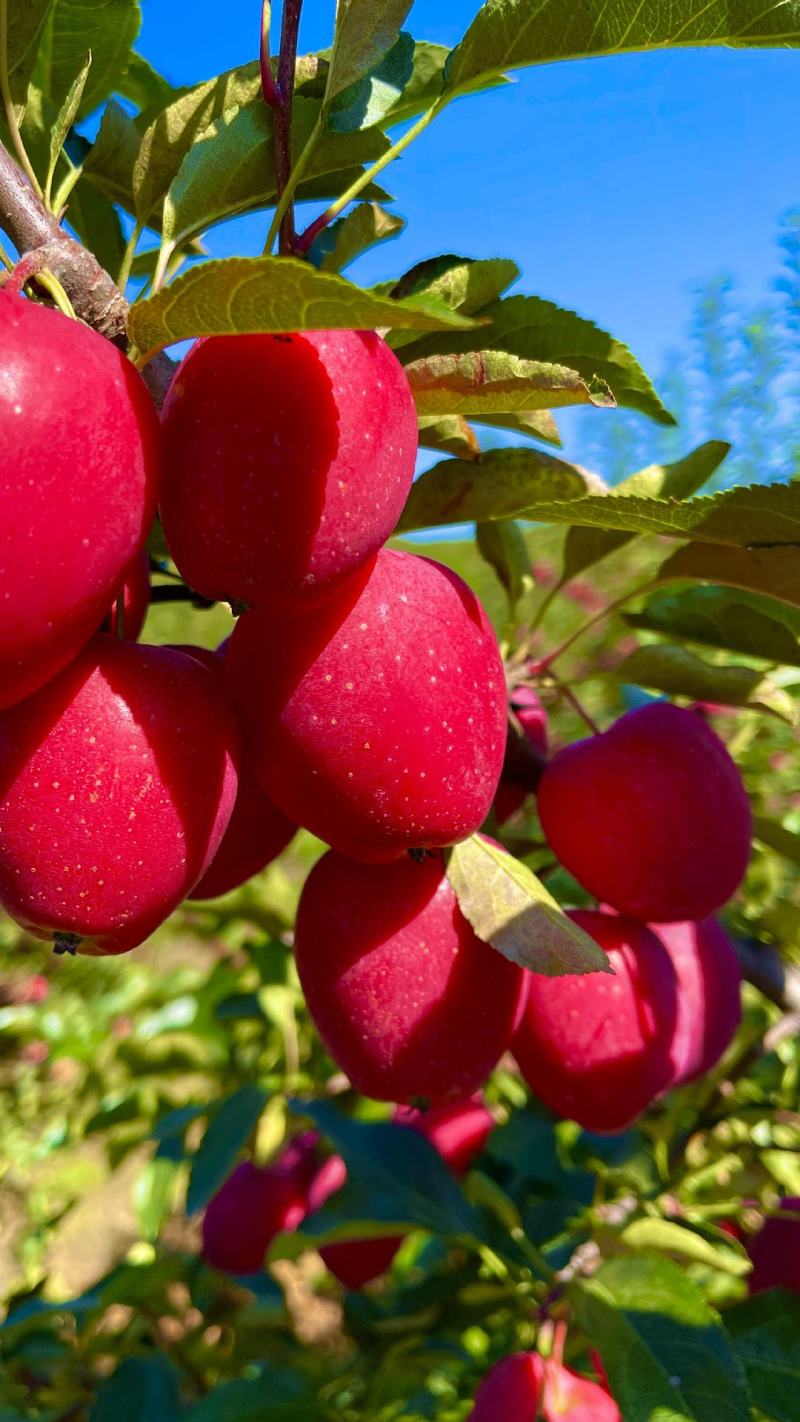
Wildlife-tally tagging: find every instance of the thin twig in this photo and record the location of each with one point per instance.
(287, 62)
(268, 86)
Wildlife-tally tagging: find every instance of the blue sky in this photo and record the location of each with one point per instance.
(615, 184)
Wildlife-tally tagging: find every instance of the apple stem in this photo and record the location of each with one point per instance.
(280, 98)
(577, 705)
(66, 943)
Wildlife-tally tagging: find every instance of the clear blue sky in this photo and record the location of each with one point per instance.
(614, 184)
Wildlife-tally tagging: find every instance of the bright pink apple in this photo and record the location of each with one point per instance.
(379, 720)
(651, 816)
(597, 1048)
(775, 1252)
(117, 782)
(409, 1002)
(525, 1386)
(80, 450)
(288, 461)
(709, 994)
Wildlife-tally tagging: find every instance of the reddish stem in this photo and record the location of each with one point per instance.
(268, 86)
(290, 25)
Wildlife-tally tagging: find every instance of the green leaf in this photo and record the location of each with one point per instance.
(449, 434)
(503, 546)
(760, 515)
(66, 118)
(776, 837)
(110, 162)
(510, 909)
(335, 247)
(773, 571)
(365, 31)
(24, 25)
(669, 1237)
(153, 1195)
(141, 1390)
(144, 86)
(678, 672)
(667, 1358)
(462, 283)
(486, 382)
(228, 1131)
(533, 329)
(230, 169)
(766, 1337)
(106, 28)
(368, 101)
(507, 34)
(539, 424)
(169, 136)
(250, 294)
(502, 485)
(396, 1180)
(731, 621)
(275, 1396)
(584, 547)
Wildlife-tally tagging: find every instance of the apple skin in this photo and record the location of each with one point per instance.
(255, 1204)
(709, 994)
(288, 461)
(117, 782)
(775, 1252)
(526, 754)
(80, 455)
(597, 1048)
(135, 599)
(459, 1131)
(257, 833)
(524, 1386)
(651, 816)
(408, 1001)
(378, 721)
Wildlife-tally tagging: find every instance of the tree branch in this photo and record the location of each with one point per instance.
(26, 220)
(287, 63)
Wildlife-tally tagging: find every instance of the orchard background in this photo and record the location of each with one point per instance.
(132, 1086)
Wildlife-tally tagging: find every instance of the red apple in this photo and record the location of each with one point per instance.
(709, 994)
(117, 781)
(288, 461)
(135, 599)
(526, 753)
(525, 1386)
(651, 816)
(409, 1002)
(254, 1205)
(79, 466)
(377, 721)
(775, 1252)
(597, 1048)
(257, 833)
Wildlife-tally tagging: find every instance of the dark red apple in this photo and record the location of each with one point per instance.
(80, 450)
(117, 782)
(409, 1002)
(709, 994)
(526, 752)
(651, 816)
(379, 720)
(597, 1048)
(288, 461)
(254, 1205)
(257, 833)
(775, 1252)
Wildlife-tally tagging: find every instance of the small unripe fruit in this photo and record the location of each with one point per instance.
(775, 1252)
(254, 1205)
(459, 1132)
(526, 1386)
(651, 816)
(409, 1002)
(597, 1048)
(377, 721)
(709, 994)
(117, 781)
(288, 461)
(80, 452)
(135, 599)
